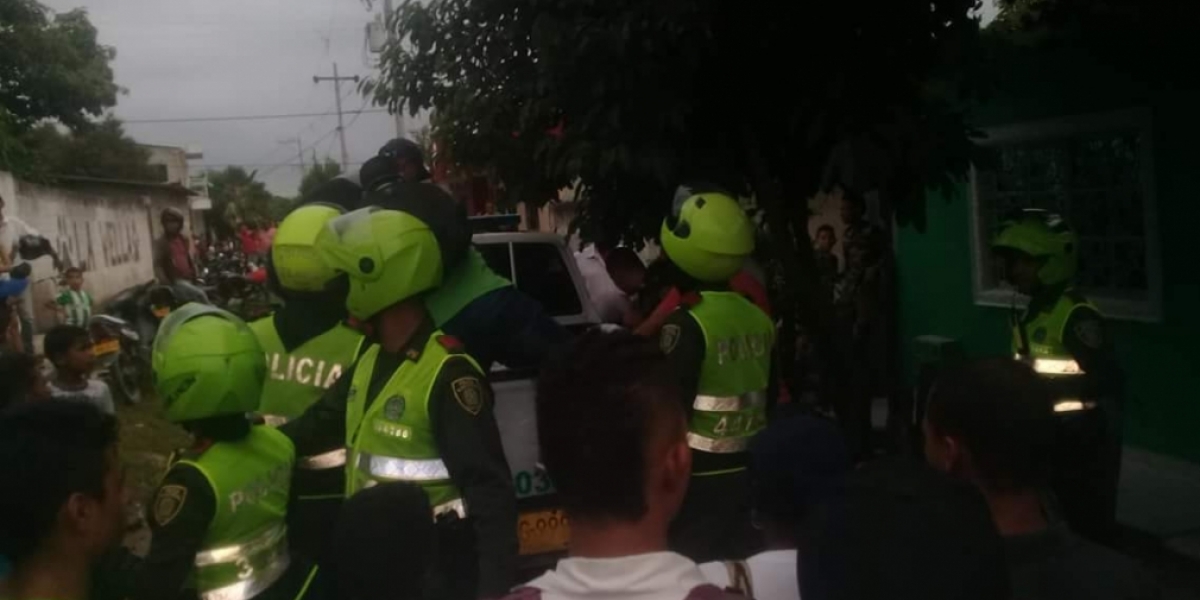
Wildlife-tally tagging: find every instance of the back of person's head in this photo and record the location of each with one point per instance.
(62, 458)
(377, 171)
(61, 338)
(338, 191)
(794, 464)
(991, 421)
(900, 529)
(382, 544)
(20, 379)
(612, 429)
(446, 218)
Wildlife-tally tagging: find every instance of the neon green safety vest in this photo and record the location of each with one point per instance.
(245, 550)
(1039, 343)
(392, 439)
(731, 397)
(298, 378)
(462, 285)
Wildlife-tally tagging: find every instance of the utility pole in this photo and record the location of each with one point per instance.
(391, 36)
(299, 151)
(337, 93)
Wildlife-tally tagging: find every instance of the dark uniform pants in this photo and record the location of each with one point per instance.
(455, 574)
(1087, 467)
(714, 522)
(317, 496)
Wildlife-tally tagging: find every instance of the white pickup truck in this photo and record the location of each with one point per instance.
(540, 265)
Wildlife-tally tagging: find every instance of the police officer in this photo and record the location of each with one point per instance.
(307, 346)
(720, 344)
(415, 407)
(218, 517)
(1063, 337)
(495, 321)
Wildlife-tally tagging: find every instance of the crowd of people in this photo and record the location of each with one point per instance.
(346, 446)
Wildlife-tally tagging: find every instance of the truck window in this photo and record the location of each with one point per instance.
(496, 257)
(542, 274)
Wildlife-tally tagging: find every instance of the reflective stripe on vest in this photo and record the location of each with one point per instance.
(259, 562)
(730, 405)
(403, 469)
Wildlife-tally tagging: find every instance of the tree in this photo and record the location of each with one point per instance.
(238, 198)
(628, 98)
(52, 68)
(320, 173)
(92, 149)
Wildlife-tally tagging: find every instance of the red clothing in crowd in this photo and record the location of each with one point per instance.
(181, 259)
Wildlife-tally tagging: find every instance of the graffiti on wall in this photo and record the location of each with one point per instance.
(120, 242)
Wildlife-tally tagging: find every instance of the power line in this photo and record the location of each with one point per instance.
(245, 117)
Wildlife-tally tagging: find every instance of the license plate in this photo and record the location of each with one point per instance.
(161, 311)
(542, 531)
(106, 347)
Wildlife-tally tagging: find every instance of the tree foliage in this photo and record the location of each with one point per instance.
(239, 198)
(52, 68)
(93, 149)
(629, 98)
(320, 173)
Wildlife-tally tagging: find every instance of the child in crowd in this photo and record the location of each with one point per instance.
(74, 305)
(69, 348)
(22, 379)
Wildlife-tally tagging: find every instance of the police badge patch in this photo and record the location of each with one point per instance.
(393, 409)
(469, 393)
(168, 502)
(669, 338)
(1039, 335)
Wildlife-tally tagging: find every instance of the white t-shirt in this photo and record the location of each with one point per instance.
(655, 576)
(96, 393)
(772, 575)
(610, 302)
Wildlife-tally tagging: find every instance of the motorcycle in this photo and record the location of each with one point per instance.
(120, 360)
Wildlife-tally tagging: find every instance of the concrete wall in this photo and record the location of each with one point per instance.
(174, 159)
(106, 229)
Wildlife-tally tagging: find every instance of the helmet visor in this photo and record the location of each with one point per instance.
(350, 245)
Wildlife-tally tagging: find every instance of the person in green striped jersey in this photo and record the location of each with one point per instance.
(74, 304)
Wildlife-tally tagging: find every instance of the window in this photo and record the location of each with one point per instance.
(1097, 172)
(497, 258)
(542, 274)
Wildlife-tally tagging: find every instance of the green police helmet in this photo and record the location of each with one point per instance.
(295, 262)
(207, 363)
(709, 236)
(389, 256)
(1044, 235)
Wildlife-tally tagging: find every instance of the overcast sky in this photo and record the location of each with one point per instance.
(220, 58)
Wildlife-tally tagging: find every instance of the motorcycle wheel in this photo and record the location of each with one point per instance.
(125, 378)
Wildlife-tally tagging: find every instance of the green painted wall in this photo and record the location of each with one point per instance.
(1161, 360)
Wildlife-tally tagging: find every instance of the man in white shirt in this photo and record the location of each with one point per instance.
(794, 464)
(613, 437)
(611, 283)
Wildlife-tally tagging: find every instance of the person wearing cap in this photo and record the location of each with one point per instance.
(495, 321)
(795, 463)
(308, 346)
(174, 264)
(1063, 337)
(415, 407)
(720, 344)
(219, 516)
